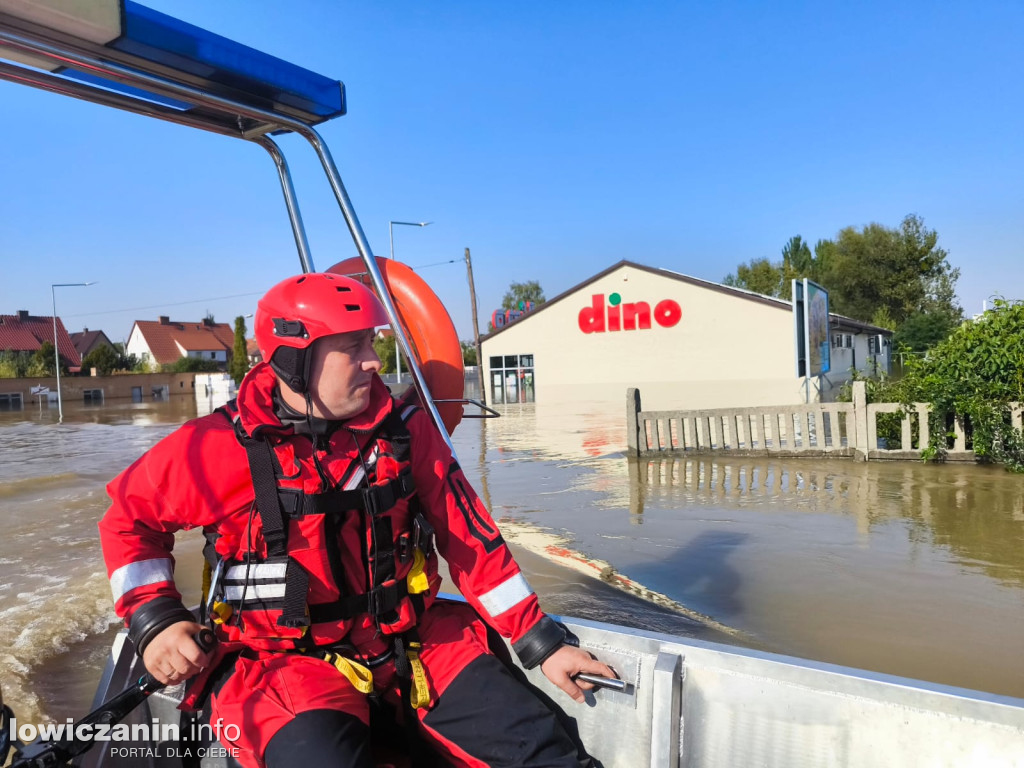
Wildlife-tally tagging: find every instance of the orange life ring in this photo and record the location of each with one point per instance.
(427, 326)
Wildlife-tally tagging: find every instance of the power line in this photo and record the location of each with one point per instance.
(436, 264)
(162, 306)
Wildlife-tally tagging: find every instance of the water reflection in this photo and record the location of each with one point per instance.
(977, 512)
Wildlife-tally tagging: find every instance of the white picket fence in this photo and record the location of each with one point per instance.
(816, 429)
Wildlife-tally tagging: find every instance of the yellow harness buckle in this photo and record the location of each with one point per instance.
(220, 612)
(361, 677)
(417, 580)
(419, 693)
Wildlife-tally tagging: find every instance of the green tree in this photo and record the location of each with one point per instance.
(468, 352)
(922, 331)
(42, 362)
(13, 365)
(901, 269)
(239, 364)
(775, 278)
(759, 275)
(796, 254)
(883, 319)
(824, 258)
(520, 293)
(384, 346)
(104, 359)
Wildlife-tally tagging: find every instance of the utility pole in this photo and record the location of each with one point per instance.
(476, 330)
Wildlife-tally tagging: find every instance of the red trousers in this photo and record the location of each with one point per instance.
(265, 695)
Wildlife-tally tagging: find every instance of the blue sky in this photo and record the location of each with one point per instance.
(553, 139)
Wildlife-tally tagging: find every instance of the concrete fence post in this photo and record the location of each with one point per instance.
(860, 420)
(633, 442)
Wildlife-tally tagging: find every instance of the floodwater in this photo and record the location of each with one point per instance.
(902, 568)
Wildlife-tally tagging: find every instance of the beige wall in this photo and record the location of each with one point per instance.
(114, 387)
(726, 351)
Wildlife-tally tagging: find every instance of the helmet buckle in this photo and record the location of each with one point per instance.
(290, 328)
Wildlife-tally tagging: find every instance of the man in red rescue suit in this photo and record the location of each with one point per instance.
(321, 498)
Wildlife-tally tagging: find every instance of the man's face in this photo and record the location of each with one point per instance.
(340, 374)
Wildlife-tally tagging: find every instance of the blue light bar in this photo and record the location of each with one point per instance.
(218, 66)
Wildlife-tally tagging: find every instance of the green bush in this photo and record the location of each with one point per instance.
(976, 373)
(191, 365)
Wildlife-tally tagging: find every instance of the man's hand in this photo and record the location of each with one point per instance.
(173, 656)
(567, 661)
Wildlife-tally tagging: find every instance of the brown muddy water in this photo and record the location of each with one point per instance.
(909, 569)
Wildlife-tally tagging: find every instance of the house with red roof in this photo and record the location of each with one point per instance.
(161, 342)
(252, 351)
(86, 341)
(26, 333)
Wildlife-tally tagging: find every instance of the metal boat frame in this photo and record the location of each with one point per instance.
(241, 119)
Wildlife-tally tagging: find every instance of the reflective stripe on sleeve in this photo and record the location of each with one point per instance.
(135, 575)
(506, 595)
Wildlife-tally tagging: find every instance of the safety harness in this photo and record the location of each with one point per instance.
(280, 583)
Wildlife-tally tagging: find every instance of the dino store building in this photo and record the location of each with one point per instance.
(685, 343)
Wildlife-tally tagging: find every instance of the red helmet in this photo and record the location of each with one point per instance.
(298, 311)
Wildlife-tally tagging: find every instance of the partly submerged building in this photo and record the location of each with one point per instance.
(86, 341)
(685, 342)
(27, 333)
(163, 342)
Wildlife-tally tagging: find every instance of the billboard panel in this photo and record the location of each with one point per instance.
(816, 317)
(810, 324)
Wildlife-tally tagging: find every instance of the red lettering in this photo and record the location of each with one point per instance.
(613, 318)
(591, 318)
(667, 313)
(636, 315)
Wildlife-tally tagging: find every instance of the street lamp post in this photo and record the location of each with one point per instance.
(56, 347)
(391, 237)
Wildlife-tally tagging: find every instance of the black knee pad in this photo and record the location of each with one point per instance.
(321, 737)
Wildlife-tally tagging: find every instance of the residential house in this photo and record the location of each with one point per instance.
(86, 341)
(252, 351)
(162, 342)
(26, 333)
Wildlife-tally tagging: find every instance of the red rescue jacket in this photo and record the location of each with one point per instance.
(200, 476)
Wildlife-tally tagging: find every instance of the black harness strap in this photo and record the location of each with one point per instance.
(377, 601)
(264, 484)
(275, 527)
(296, 587)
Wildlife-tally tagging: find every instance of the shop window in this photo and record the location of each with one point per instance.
(10, 401)
(512, 379)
